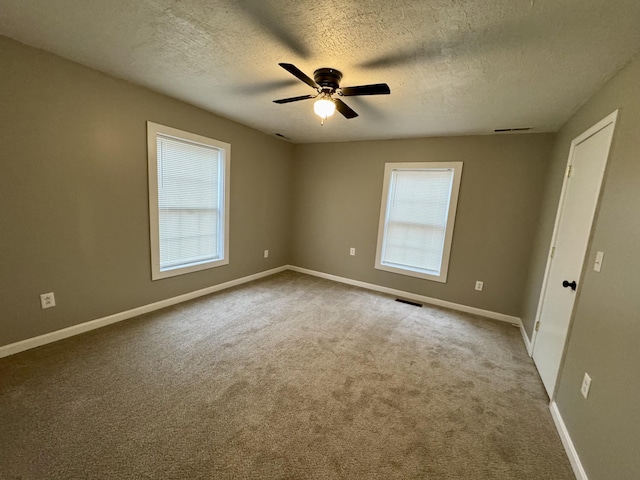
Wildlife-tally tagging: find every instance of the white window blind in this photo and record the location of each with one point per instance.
(189, 202)
(416, 218)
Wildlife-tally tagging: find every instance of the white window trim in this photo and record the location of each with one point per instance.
(453, 204)
(153, 129)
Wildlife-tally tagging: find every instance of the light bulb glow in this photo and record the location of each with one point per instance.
(324, 108)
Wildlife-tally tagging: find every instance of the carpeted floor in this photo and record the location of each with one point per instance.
(289, 377)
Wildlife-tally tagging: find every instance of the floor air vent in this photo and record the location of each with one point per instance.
(408, 302)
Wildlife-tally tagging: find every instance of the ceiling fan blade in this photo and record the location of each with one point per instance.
(270, 19)
(296, 72)
(264, 87)
(295, 99)
(344, 109)
(376, 89)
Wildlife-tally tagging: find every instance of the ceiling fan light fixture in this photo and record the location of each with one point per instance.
(324, 107)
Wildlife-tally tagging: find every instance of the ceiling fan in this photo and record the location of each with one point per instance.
(326, 82)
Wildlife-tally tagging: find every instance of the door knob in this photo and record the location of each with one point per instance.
(573, 285)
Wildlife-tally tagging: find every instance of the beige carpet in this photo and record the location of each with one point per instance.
(289, 377)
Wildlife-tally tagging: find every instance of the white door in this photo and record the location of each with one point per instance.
(581, 190)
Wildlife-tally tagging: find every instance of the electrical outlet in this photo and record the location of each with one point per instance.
(47, 300)
(266, 254)
(352, 252)
(479, 285)
(586, 385)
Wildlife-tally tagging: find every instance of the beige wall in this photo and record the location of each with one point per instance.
(337, 194)
(605, 332)
(73, 190)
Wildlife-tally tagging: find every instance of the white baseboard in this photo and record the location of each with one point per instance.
(527, 342)
(412, 296)
(40, 340)
(578, 470)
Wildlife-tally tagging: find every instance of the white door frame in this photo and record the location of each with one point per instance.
(609, 119)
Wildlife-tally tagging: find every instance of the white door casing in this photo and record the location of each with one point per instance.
(574, 220)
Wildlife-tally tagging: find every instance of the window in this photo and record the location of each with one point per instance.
(416, 218)
(188, 201)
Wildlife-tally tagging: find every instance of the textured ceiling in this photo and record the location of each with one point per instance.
(454, 66)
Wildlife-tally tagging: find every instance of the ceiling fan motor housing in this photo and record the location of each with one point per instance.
(328, 78)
